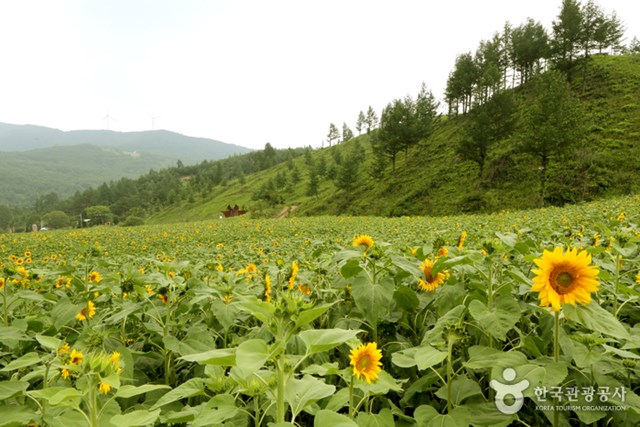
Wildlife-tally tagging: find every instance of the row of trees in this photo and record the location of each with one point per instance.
(134, 199)
(403, 123)
(366, 123)
(516, 54)
(550, 122)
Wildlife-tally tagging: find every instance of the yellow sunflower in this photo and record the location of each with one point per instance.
(115, 358)
(104, 388)
(564, 278)
(294, 273)
(463, 237)
(75, 358)
(94, 276)
(363, 240)
(365, 360)
(1, 282)
(87, 312)
(267, 288)
(430, 282)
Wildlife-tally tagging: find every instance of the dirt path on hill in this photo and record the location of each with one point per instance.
(286, 211)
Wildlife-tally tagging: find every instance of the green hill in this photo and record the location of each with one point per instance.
(37, 160)
(434, 180)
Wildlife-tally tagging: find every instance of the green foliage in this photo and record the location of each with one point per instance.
(132, 220)
(347, 134)
(334, 134)
(552, 124)
(56, 219)
(99, 214)
(403, 123)
(486, 125)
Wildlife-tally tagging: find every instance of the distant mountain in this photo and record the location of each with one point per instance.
(171, 145)
(36, 160)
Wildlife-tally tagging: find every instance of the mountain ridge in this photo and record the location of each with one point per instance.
(36, 160)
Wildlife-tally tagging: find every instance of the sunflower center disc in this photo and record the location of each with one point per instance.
(364, 363)
(563, 283)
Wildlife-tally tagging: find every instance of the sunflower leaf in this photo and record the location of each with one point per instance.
(499, 320)
(597, 319)
(301, 392)
(319, 340)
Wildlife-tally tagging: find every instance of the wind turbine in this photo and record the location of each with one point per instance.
(108, 118)
(153, 121)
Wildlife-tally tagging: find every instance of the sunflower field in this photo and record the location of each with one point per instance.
(517, 318)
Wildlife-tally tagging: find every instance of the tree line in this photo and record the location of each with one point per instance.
(128, 201)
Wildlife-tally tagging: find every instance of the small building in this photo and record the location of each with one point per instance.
(233, 211)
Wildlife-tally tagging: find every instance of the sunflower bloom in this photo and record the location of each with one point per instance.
(463, 237)
(75, 358)
(104, 388)
(442, 252)
(64, 373)
(94, 276)
(305, 289)
(64, 349)
(267, 288)
(115, 358)
(638, 278)
(87, 312)
(564, 278)
(365, 360)
(363, 240)
(430, 282)
(1, 282)
(60, 282)
(294, 273)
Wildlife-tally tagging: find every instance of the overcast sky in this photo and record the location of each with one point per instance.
(243, 72)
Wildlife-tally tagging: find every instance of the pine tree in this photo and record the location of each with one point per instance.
(552, 123)
(371, 120)
(360, 124)
(334, 134)
(347, 133)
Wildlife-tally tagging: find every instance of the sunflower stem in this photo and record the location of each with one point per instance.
(280, 392)
(352, 409)
(615, 289)
(4, 303)
(256, 411)
(556, 357)
(490, 298)
(449, 375)
(167, 353)
(556, 331)
(93, 404)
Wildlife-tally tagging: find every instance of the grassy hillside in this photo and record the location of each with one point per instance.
(433, 180)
